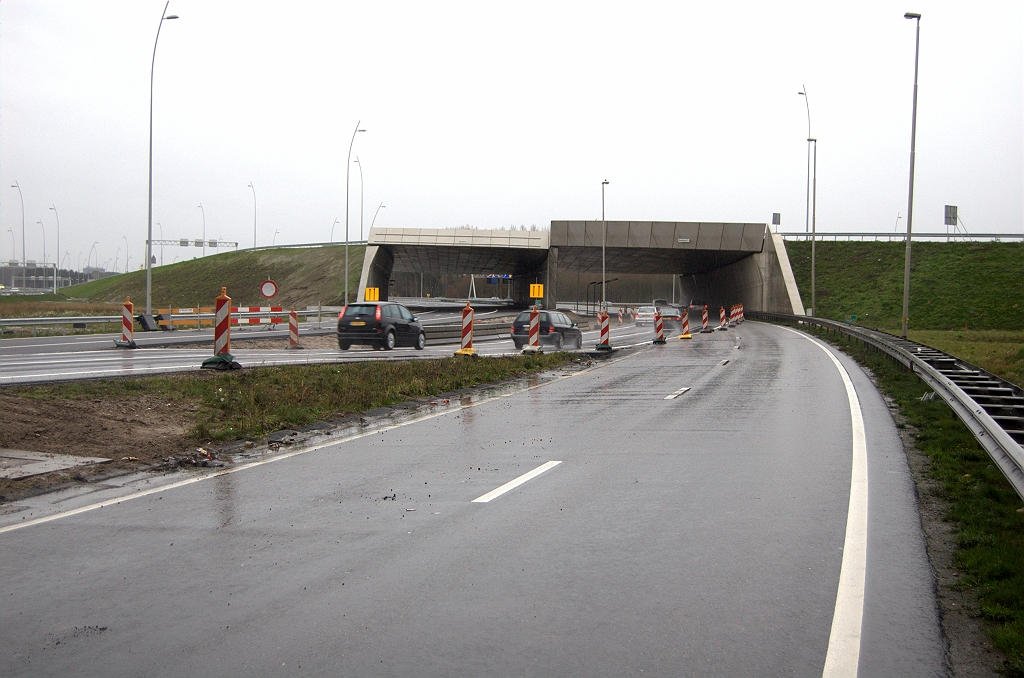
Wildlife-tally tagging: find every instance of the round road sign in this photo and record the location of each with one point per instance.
(268, 289)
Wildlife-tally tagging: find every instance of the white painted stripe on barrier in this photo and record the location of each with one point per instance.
(678, 393)
(843, 656)
(513, 484)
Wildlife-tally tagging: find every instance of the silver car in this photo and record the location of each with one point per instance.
(645, 315)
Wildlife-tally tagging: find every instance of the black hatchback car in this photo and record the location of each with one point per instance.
(556, 329)
(382, 325)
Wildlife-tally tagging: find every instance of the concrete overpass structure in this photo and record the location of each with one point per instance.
(720, 263)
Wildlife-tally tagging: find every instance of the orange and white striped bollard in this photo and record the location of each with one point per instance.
(685, 329)
(533, 340)
(604, 343)
(127, 325)
(222, 324)
(659, 328)
(293, 330)
(723, 322)
(704, 324)
(467, 331)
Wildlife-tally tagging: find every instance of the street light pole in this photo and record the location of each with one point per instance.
(161, 243)
(374, 220)
(332, 229)
(253, 214)
(807, 214)
(910, 192)
(56, 270)
(204, 227)
(149, 224)
(604, 237)
(40, 222)
(360, 198)
(348, 167)
(814, 233)
(23, 258)
(126, 257)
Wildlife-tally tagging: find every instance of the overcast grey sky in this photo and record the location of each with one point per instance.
(497, 114)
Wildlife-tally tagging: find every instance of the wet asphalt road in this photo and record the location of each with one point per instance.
(701, 535)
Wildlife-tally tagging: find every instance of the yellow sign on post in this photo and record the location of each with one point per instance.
(536, 291)
(372, 294)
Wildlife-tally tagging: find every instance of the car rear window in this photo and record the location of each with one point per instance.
(360, 309)
(645, 309)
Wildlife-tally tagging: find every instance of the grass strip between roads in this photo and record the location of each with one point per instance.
(983, 507)
(252, 403)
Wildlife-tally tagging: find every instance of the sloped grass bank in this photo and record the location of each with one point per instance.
(980, 284)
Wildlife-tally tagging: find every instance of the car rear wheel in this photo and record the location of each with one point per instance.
(421, 341)
(343, 345)
(518, 345)
(389, 340)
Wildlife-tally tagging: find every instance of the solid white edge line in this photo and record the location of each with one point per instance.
(512, 484)
(843, 656)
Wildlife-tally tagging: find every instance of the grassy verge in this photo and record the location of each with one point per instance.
(228, 406)
(980, 284)
(983, 507)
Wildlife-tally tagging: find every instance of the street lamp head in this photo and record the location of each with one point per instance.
(604, 182)
(360, 130)
(172, 16)
(812, 139)
(803, 94)
(911, 15)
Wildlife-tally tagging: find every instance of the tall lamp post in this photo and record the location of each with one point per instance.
(360, 197)
(57, 270)
(814, 231)
(348, 167)
(374, 220)
(40, 222)
(807, 213)
(149, 225)
(253, 214)
(204, 227)
(604, 237)
(332, 229)
(23, 261)
(161, 244)
(910, 192)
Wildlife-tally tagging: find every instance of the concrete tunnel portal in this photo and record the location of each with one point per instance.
(720, 263)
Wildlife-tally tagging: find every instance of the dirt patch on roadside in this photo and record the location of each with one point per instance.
(135, 433)
(315, 343)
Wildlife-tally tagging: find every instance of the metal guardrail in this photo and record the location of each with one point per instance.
(192, 318)
(825, 236)
(992, 408)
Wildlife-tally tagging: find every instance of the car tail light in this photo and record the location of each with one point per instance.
(512, 330)
(378, 312)
(343, 309)
(551, 328)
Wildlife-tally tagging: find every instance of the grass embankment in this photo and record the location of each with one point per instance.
(304, 276)
(225, 406)
(978, 284)
(982, 505)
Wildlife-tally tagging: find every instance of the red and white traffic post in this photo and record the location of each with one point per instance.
(293, 330)
(685, 329)
(620, 315)
(127, 325)
(604, 343)
(222, 324)
(467, 331)
(704, 324)
(723, 322)
(659, 328)
(533, 342)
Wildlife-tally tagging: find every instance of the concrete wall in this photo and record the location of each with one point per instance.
(761, 282)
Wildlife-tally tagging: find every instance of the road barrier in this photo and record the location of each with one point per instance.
(467, 331)
(258, 315)
(603, 343)
(684, 332)
(620, 315)
(127, 325)
(992, 408)
(704, 326)
(723, 324)
(533, 337)
(659, 328)
(293, 330)
(222, 324)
